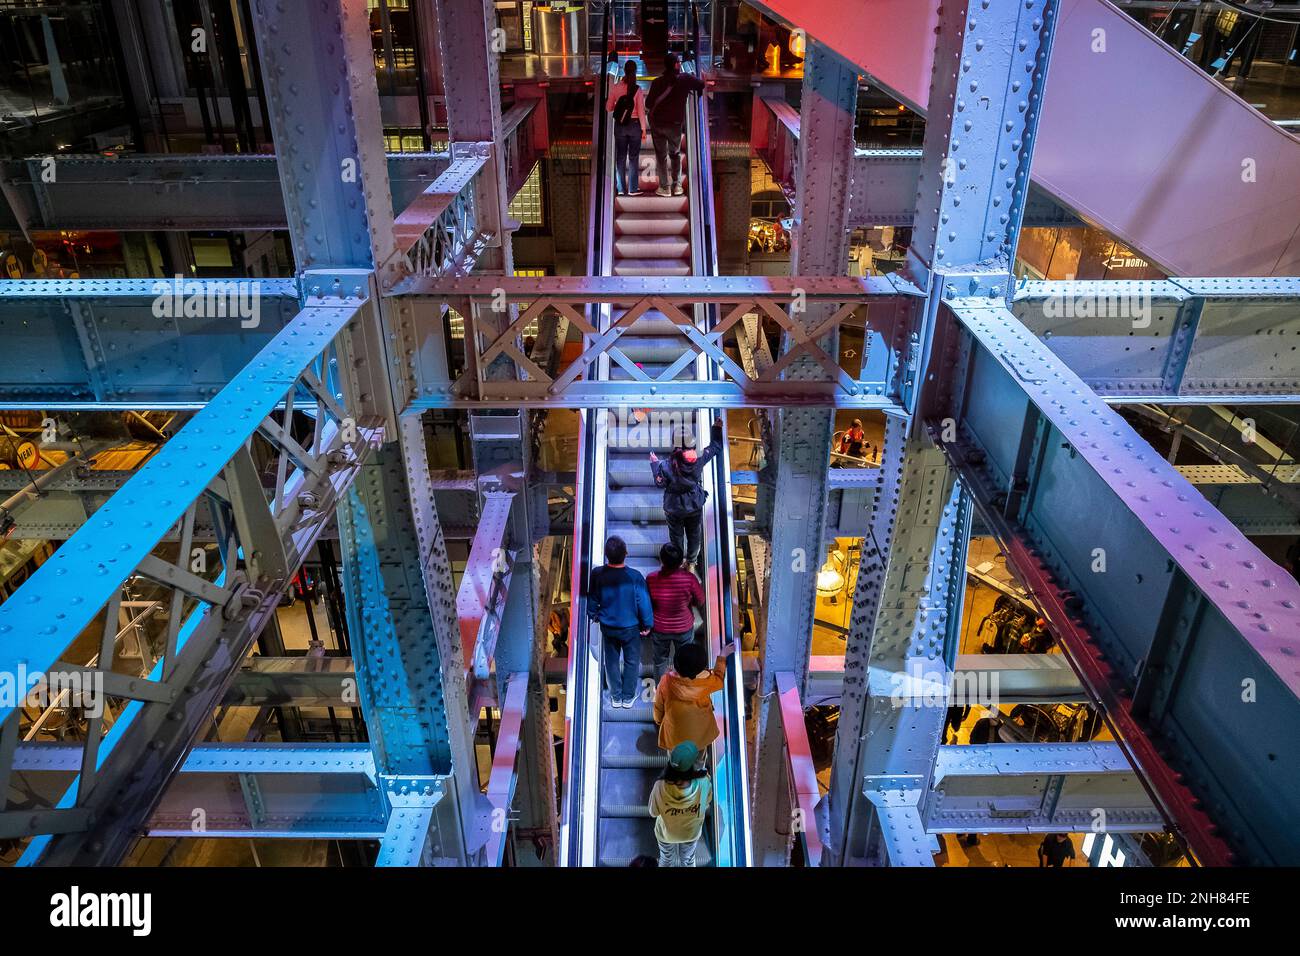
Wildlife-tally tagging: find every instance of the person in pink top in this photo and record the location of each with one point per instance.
(673, 592)
(626, 105)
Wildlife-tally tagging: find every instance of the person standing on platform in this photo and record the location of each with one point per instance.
(666, 104)
(673, 592)
(626, 107)
(684, 495)
(617, 599)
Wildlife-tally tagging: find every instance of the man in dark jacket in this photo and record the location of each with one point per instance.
(617, 599)
(684, 496)
(666, 105)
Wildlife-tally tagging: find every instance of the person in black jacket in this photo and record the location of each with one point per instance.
(666, 106)
(679, 476)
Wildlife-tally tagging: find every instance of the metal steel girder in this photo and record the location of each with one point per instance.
(170, 192)
(481, 600)
(438, 234)
(885, 179)
(418, 823)
(133, 343)
(1038, 788)
(326, 124)
(259, 791)
(397, 578)
(990, 67)
(497, 310)
(504, 774)
(1174, 341)
(406, 646)
(1016, 678)
(509, 526)
(897, 682)
(804, 436)
(473, 91)
(1182, 629)
(211, 622)
(985, 99)
(805, 790)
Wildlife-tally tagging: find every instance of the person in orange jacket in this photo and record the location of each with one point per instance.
(682, 708)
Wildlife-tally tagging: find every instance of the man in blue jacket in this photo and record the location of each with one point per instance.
(619, 601)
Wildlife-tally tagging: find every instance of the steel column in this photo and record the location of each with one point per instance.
(830, 91)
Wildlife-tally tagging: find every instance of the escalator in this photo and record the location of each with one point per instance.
(612, 756)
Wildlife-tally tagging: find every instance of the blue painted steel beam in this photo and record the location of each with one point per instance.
(258, 791)
(66, 593)
(133, 343)
(1038, 788)
(803, 439)
(1177, 340)
(171, 192)
(1193, 629)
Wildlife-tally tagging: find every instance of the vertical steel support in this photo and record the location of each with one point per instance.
(986, 94)
(989, 71)
(896, 689)
(401, 612)
(830, 90)
(397, 578)
(473, 90)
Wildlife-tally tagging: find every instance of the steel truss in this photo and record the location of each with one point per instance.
(958, 346)
(271, 508)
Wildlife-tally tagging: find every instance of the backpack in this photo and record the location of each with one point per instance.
(624, 107)
(687, 494)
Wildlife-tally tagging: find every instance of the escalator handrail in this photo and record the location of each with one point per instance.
(730, 810)
(575, 824)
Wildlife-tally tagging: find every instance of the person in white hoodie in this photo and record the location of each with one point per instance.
(679, 802)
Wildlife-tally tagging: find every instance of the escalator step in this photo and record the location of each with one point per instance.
(625, 811)
(634, 761)
(651, 224)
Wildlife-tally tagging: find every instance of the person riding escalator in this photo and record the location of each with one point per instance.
(684, 495)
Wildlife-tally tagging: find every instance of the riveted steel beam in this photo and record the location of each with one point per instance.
(216, 613)
(829, 101)
(1175, 621)
(896, 683)
(1038, 788)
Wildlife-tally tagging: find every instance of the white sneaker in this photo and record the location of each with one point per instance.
(678, 190)
(663, 191)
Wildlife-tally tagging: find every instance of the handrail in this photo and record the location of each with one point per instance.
(730, 811)
(581, 758)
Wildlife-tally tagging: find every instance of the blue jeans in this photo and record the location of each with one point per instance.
(665, 645)
(677, 854)
(622, 658)
(627, 157)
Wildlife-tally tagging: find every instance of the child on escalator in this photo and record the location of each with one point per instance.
(679, 803)
(683, 705)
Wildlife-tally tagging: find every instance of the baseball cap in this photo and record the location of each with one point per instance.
(683, 756)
